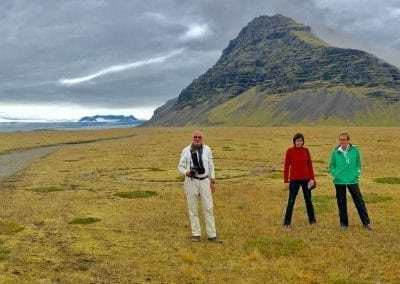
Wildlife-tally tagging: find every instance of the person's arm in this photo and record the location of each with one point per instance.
(286, 167)
(182, 166)
(358, 162)
(211, 168)
(310, 165)
(332, 164)
(311, 170)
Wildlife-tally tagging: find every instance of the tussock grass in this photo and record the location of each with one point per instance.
(148, 239)
(189, 258)
(189, 274)
(85, 220)
(254, 255)
(389, 180)
(136, 194)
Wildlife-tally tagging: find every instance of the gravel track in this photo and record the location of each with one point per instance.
(10, 163)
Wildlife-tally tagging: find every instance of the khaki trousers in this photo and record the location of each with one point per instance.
(199, 191)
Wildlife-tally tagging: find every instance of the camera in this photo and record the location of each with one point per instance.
(196, 170)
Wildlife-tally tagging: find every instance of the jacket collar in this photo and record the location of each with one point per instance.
(340, 149)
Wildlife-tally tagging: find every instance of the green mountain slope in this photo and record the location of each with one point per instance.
(276, 72)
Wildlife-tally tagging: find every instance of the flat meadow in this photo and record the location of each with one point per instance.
(108, 207)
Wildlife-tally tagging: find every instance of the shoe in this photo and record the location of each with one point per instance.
(368, 227)
(195, 239)
(313, 222)
(344, 227)
(286, 226)
(215, 240)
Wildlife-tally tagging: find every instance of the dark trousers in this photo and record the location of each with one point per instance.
(354, 190)
(294, 187)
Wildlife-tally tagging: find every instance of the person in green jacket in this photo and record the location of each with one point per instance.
(345, 167)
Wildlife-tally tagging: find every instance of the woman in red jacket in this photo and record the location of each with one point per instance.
(298, 171)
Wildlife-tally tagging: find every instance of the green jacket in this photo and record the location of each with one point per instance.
(345, 166)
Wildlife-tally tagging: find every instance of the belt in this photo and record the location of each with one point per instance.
(201, 178)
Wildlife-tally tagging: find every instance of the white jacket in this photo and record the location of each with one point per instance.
(186, 162)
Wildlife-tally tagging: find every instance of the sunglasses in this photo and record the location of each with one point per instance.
(197, 137)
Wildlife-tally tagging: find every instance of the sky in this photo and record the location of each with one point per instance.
(62, 60)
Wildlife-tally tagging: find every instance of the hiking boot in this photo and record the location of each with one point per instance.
(215, 240)
(368, 227)
(195, 239)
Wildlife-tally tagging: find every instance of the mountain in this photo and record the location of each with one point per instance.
(114, 119)
(276, 72)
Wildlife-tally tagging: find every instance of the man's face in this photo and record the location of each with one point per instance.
(197, 138)
(343, 141)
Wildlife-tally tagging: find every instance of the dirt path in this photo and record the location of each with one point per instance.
(14, 161)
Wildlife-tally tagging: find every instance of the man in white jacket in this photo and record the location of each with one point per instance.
(196, 164)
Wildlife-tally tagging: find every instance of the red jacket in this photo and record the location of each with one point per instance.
(298, 164)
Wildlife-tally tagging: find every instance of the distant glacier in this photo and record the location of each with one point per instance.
(87, 122)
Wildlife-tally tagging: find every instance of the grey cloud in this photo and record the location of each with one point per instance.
(44, 41)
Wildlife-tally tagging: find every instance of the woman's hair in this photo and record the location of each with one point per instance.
(297, 136)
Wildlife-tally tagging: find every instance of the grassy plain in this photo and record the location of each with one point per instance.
(75, 216)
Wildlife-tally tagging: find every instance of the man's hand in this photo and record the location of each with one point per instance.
(212, 186)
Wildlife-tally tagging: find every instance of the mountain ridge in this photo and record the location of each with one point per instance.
(283, 64)
(116, 119)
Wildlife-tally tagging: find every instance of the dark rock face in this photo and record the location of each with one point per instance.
(277, 55)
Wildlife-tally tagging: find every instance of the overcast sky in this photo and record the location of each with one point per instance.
(69, 58)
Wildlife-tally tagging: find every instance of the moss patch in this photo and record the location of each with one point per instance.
(276, 176)
(9, 228)
(85, 220)
(389, 180)
(324, 203)
(46, 189)
(274, 247)
(136, 194)
(4, 252)
(375, 198)
(156, 170)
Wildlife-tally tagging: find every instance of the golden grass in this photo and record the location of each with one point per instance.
(140, 240)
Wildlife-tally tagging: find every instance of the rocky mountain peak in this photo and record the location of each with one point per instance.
(276, 56)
